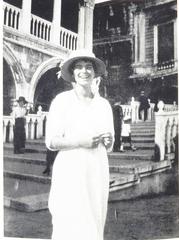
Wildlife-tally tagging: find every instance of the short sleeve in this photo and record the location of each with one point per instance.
(55, 121)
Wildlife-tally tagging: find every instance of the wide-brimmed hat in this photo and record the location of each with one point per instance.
(66, 71)
(22, 99)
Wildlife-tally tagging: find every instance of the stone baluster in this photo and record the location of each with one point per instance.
(4, 130)
(173, 134)
(168, 136)
(27, 127)
(40, 122)
(149, 111)
(133, 109)
(11, 132)
(136, 110)
(39, 29)
(11, 18)
(32, 129)
(39, 129)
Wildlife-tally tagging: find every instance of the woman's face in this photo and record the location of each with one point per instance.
(83, 72)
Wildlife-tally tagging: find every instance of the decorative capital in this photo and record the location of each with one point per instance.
(87, 3)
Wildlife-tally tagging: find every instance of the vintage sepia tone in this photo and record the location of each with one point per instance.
(137, 41)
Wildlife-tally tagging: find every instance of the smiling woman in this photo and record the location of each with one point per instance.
(83, 73)
(80, 127)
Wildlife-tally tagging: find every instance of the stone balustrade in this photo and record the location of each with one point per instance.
(165, 118)
(39, 27)
(11, 15)
(34, 127)
(68, 39)
(166, 129)
(132, 110)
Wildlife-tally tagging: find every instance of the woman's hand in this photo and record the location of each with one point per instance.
(107, 139)
(89, 142)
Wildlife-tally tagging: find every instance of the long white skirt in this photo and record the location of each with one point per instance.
(79, 194)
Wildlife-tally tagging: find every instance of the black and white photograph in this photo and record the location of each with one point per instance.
(90, 120)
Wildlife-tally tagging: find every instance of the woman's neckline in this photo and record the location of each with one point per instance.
(82, 99)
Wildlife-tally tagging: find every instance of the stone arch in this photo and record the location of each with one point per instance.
(13, 79)
(15, 67)
(44, 67)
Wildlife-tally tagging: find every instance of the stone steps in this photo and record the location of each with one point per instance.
(125, 183)
(143, 134)
(25, 170)
(129, 156)
(18, 187)
(31, 148)
(142, 123)
(27, 189)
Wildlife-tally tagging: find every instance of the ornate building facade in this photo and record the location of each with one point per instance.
(137, 41)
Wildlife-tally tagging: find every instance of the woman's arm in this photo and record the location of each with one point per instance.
(56, 138)
(63, 143)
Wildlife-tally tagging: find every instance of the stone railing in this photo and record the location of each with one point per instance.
(11, 15)
(34, 127)
(166, 129)
(39, 27)
(36, 123)
(68, 39)
(132, 110)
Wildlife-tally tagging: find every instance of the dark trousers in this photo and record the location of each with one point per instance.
(117, 142)
(19, 135)
(50, 158)
(145, 113)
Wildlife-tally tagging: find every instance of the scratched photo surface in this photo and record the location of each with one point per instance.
(137, 41)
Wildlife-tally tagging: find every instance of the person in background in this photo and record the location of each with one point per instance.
(126, 134)
(19, 113)
(155, 106)
(144, 106)
(118, 118)
(80, 127)
(50, 158)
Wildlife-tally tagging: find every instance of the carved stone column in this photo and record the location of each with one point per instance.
(85, 24)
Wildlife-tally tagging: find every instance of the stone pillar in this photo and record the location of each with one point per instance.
(155, 52)
(26, 16)
(85, 24)
(141, 37)
(135, 30)
(56, 22)
(139, 31)
(175, 40)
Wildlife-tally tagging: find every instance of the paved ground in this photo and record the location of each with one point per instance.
(140, 219)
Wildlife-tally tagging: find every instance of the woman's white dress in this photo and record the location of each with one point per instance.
(80, 179)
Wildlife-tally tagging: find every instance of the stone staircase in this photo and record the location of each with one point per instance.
(27, 189)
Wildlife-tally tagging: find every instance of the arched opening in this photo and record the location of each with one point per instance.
(8, 89)
(47, 88)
